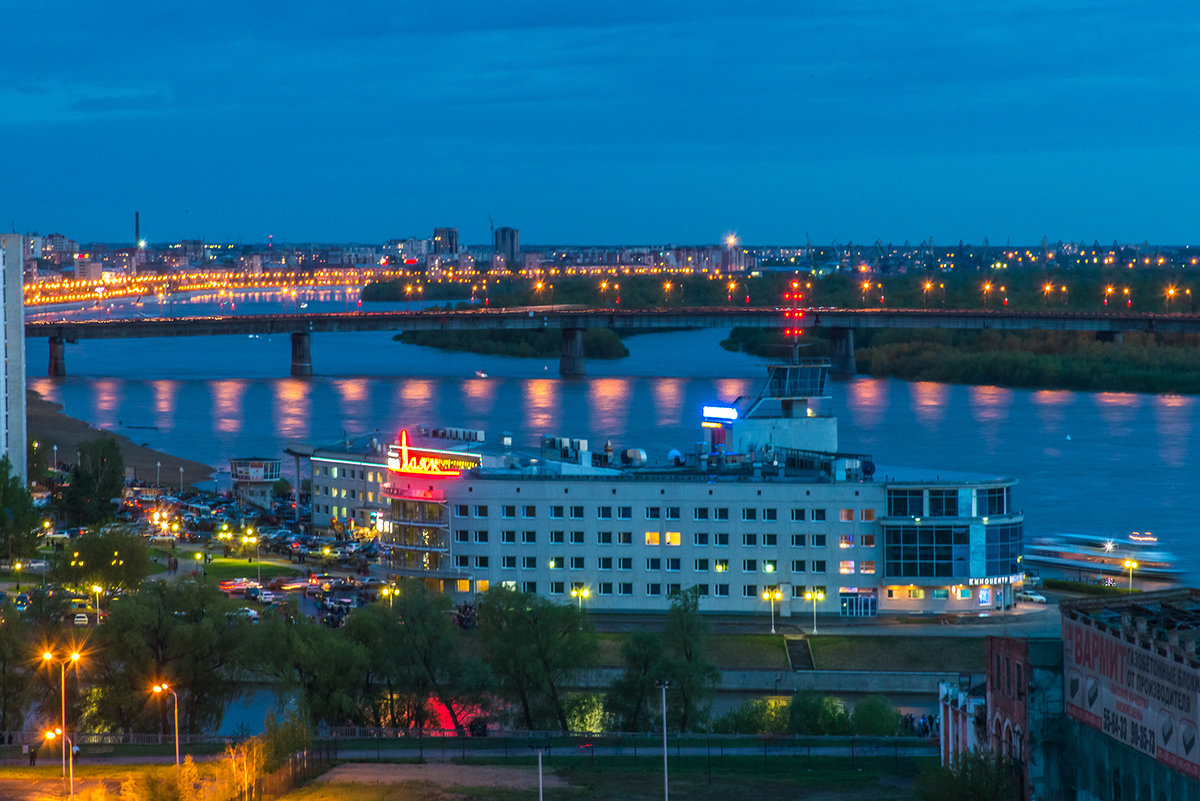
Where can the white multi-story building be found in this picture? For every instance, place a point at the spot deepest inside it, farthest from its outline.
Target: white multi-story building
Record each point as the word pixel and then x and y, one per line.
pixel 12 288
pixel 767 512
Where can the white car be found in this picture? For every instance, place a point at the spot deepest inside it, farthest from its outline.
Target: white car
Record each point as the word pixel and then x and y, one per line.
pixel 1031 597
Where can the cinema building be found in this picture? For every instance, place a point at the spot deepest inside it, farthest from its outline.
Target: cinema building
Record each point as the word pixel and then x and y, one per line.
pixel 765 511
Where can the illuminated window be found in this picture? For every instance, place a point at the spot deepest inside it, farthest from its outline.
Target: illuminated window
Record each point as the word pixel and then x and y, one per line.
pixel 964 593
pixel 916 595
pixel 846 541
pixel 866 515
pixel 770 565
pixel 846 515
pixel 674 538
pixel 867 566
pixel 941 595
pixel 481 585
pixel 463 585
pixel 333 474
pixel 652 538
pixel 557 562
pixel 846 566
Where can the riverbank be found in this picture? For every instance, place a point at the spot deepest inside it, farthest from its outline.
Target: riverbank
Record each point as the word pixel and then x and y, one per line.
pixel 48 426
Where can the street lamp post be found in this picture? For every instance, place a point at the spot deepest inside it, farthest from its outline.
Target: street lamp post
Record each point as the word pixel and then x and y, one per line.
pixel 180 480
pixel 69 659
pixel 1130 565
pixel 250 539
pixel 814 597
pixel 158 474
pixel 771 595
pixel 580 593
pixel 96 588
pixel 663 684
pixel 67 743
pixel 159 688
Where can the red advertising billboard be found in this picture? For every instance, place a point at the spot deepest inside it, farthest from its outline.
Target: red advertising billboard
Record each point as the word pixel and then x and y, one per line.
pixel 1145 700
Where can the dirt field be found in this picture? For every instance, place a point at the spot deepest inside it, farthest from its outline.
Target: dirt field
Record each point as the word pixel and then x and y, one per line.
pixel 443 775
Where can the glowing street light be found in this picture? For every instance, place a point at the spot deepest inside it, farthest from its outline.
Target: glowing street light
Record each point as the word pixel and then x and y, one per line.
pixel 814 597
pixel 66 742
pixel 249 539
pixel 390 593
pixel 96 588
pixel 772 595
pixel 1130 565
pixel 581 594
pixel 161 688
pixel 72 658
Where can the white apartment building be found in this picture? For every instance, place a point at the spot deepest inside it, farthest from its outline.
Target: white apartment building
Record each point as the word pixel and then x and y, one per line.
pixel 767 513
pixel 13 435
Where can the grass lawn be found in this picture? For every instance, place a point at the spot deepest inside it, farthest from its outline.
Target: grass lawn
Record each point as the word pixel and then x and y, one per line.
pixel 898 653
pixel 223 569
pixel 727 651
pixel 694 778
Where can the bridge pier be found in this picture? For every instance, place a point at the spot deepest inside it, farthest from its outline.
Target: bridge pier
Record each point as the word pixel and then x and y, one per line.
pixel 841 353
pixel 58 357
pixel 570 363
pixel 1115 337
pixel 301 354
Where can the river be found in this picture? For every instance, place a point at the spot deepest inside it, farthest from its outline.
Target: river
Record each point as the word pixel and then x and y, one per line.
pixel 1107 463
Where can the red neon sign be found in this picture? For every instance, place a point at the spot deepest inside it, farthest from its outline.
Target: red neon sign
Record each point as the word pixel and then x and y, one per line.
pixel 428 462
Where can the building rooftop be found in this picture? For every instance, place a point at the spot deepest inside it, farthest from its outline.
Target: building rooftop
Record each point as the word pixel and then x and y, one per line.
pixel 1167 622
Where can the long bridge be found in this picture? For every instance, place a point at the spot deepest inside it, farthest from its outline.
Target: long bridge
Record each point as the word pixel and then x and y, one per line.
pixel 572 321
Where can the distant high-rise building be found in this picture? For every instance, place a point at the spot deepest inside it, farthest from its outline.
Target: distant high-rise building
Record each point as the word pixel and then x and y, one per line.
pixel 445 240
pixel 12 340
pixel 507 244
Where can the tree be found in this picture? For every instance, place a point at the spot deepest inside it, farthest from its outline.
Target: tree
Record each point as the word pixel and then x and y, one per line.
pixel 175 632
pixel 117 559
pixel 17 663
pixel 325 668
pixel 535 647
pixel 96 479
pixel 974 776
pixel 18 533
pixel 875 715
pixel 809 713
pixel 694 677
pixel 631 697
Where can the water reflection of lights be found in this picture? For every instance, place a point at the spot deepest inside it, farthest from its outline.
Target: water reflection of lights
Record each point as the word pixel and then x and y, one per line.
pixel 867 399
pixel 353 392
pixel 479 394
pixel 227 404
pixel 990 404
pixel 541 403
pixel 730 389
pixel 292 407
pixel 1051 405
pixel 1118 409
pixel 608 401
pixel 48 388
pixel 164 403
pixel 668 400
pixel 929 402
pixel 1173 415
pixel 107 394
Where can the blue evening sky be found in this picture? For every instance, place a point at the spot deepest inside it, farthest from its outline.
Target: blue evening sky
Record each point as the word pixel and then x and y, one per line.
pixel 602 122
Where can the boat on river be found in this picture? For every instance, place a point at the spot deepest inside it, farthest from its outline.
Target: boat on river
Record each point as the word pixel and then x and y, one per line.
pixel 1091 556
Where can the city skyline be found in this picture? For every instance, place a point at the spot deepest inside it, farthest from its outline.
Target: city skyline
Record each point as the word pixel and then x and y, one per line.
pixel 671 123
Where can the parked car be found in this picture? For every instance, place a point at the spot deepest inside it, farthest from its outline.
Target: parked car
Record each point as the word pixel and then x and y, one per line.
pixel 81 619
pixel 1031 597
